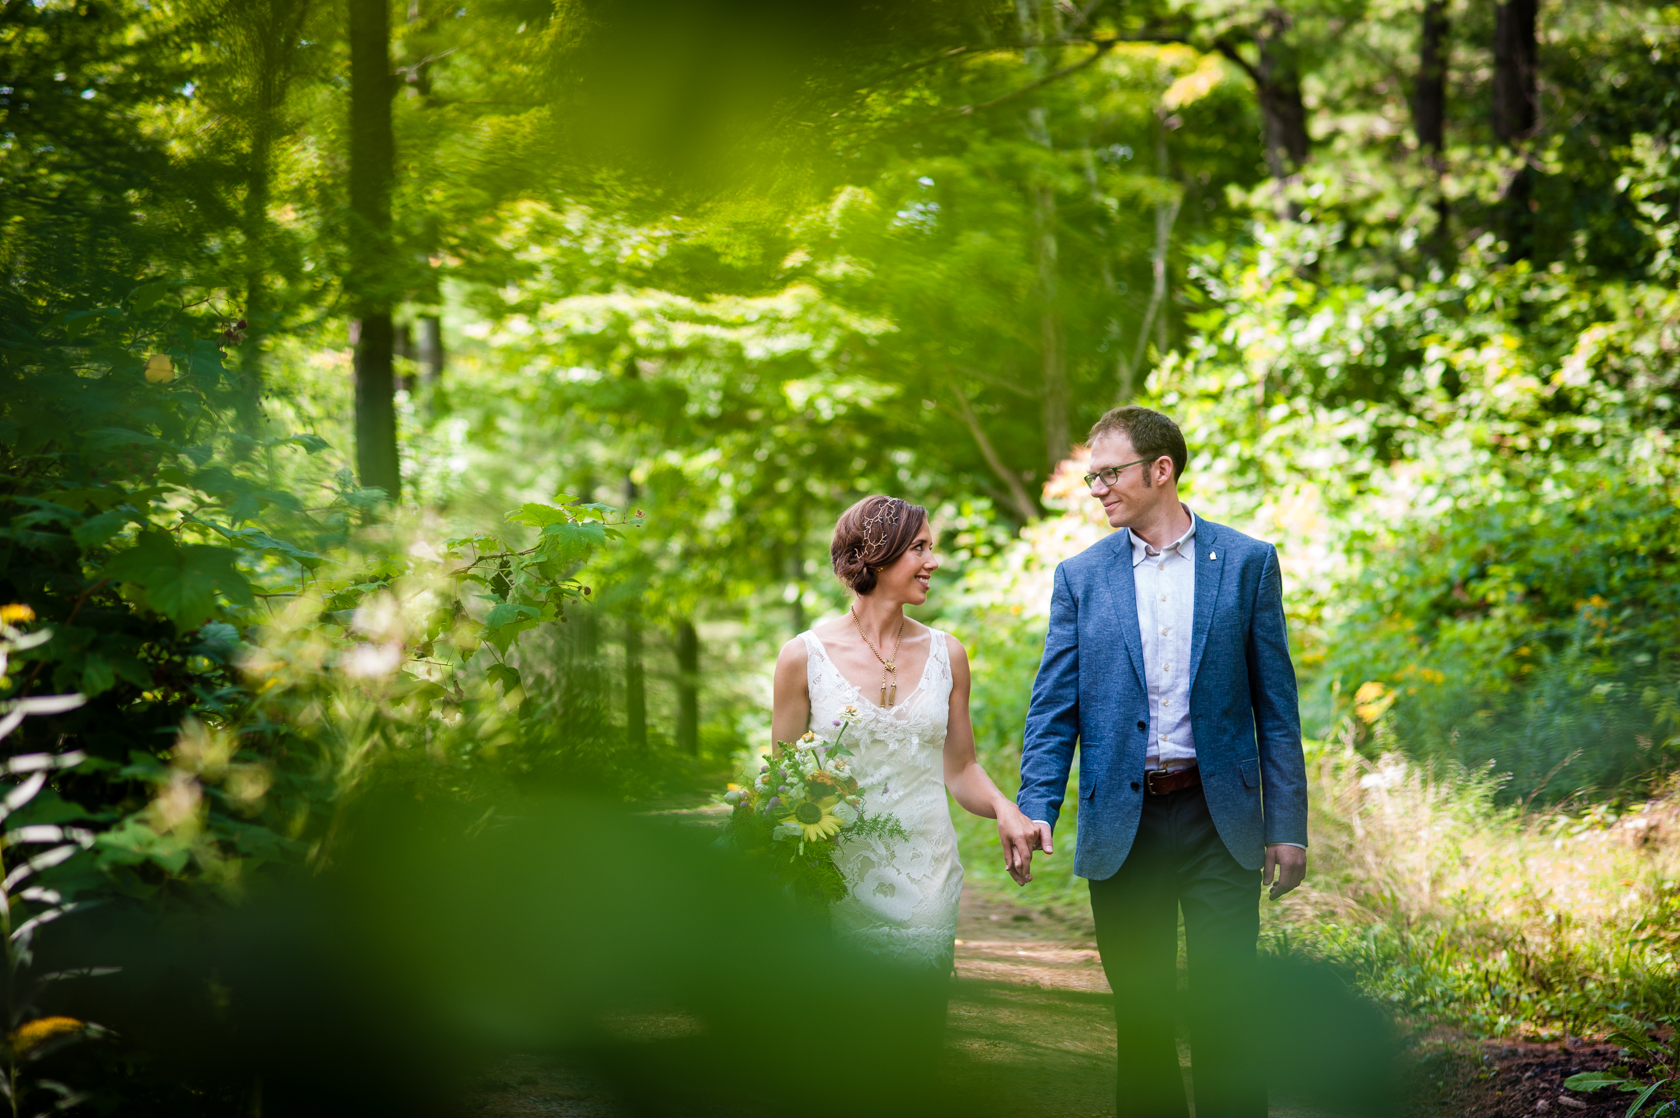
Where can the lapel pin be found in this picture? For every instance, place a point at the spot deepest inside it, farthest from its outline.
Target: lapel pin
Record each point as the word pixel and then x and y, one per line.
pixel 1213 555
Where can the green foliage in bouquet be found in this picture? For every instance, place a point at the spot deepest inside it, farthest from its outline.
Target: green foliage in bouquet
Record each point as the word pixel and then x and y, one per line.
pixel 797 809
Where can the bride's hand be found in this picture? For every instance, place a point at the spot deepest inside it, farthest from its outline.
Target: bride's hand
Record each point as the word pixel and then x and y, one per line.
pixel 1020 837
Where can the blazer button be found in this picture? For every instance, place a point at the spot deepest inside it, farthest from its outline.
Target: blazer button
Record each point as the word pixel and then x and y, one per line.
pixel 1134 786
pixel 1143 725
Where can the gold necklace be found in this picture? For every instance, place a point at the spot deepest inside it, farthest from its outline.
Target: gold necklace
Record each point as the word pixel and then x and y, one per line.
pixel 889 667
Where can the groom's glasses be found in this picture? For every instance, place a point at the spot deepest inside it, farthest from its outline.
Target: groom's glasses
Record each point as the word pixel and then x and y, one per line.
pixel 1110 474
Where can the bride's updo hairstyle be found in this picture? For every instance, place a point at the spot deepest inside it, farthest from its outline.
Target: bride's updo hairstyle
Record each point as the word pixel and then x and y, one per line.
pixel 872 534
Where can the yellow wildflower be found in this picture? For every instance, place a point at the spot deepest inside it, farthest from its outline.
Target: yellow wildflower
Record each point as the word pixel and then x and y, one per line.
pixel 43 1029
pixel 16 614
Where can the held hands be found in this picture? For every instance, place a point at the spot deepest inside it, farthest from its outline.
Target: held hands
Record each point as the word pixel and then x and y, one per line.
pixel 1020 837
pixel 1290 866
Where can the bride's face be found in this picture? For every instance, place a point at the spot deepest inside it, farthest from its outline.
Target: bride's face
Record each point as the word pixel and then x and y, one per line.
pixel 907 578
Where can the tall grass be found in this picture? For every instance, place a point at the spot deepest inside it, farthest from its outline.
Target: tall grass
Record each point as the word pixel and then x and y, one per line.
pixel 1447 905
pixel 1455 909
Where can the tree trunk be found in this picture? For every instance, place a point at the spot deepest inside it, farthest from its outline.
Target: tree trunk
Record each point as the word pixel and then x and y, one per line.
pixel 688 688
pixel 1278 88
pixel 256 259
pixel 635 682
pixel 402 348
pixel 796 574
pixel 1041 22
pixel 635 678
pixel 431 350
pixel 1166 214
pixel 1429 113
pixel 372 170
pixel 1516 111
pixel 1051 333
pixel 263 37
pixel 1429 103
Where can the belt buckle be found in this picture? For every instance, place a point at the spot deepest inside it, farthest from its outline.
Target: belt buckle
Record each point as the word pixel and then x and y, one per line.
pixel 1149 780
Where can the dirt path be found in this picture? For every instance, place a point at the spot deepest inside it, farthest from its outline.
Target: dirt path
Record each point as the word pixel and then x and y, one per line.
pixel 1030 1002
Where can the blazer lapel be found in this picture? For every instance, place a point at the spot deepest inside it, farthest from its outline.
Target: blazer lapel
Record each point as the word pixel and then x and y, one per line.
pixel 1210 565
pixel 1122 600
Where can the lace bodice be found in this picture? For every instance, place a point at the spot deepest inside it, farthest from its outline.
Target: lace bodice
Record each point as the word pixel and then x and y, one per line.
pixel 903 894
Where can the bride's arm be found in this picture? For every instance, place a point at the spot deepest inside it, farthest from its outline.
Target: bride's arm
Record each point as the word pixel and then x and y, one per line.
pixel 790 710
pixel 969 783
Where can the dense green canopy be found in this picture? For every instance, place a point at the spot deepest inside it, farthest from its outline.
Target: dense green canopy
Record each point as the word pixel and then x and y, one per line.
pixel 459 395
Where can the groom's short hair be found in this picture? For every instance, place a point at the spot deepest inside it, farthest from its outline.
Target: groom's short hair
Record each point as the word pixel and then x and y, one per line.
pixel 1151 433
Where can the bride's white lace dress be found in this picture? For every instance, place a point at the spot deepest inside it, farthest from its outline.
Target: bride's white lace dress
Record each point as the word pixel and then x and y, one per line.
pixel 902 895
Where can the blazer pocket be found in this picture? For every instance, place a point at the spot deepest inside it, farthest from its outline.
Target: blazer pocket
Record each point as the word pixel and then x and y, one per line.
pixel 1250 772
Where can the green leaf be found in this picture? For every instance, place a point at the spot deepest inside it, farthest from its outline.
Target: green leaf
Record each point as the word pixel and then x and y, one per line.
pixel 97 530
pixel 507 613
pixel 144 297
pixel 540 516
pixel 131 843
pixel 313 444
pixel 570 543
pixel 98 675
pixel 77 323
pixel 181 582
pixel 1595 1080
pixel 1644 1096
pixel 254 540
pixel 48 807
pixel 109 438
pixel 506 675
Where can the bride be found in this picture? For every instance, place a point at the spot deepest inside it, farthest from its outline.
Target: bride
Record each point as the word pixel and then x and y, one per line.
pixel 911 737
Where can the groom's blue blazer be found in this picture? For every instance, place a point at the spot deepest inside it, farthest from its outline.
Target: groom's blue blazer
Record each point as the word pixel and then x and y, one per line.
pixel 1243 714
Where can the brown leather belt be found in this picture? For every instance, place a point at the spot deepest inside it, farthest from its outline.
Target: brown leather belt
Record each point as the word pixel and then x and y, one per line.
pixel 1160 782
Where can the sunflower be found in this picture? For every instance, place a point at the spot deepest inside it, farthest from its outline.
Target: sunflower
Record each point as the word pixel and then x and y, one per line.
pixel 815 821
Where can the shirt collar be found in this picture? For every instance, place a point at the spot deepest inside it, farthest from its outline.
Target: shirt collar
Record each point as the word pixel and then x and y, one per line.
pixel 1141 549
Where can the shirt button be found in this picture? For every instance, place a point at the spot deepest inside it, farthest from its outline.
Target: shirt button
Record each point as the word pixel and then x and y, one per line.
pixel 1163 597
pixel 1163 632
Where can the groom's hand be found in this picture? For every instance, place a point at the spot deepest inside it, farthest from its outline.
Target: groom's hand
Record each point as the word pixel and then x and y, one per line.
pixel 1020 837
pixel 1287 864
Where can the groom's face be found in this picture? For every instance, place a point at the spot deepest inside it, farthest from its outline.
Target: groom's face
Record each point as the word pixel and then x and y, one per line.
pixel 1141 488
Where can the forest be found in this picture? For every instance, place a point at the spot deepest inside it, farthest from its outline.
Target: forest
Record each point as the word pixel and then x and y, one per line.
pixel 421 424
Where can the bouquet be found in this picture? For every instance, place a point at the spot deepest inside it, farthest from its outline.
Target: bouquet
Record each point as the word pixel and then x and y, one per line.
pixel 795 810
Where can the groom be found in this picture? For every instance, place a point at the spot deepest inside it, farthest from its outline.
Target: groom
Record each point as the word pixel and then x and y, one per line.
pixel 1167 662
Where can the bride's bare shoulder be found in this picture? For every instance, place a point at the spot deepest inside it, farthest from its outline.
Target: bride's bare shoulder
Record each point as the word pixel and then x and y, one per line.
pixel 793 653
pixel 955 651
pixel 834 629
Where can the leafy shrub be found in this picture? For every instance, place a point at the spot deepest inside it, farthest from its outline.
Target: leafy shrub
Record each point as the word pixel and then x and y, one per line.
pixel 1531 629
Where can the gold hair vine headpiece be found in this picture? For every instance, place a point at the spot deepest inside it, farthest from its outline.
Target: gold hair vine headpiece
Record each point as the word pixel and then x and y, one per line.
pixel 887 513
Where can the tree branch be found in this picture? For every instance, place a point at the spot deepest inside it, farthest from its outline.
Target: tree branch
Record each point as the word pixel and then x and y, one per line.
pixel 1018 497
pixel 1229 49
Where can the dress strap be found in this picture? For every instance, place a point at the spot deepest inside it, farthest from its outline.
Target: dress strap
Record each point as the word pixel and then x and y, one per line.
pixel 815 655
pixel 939 650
